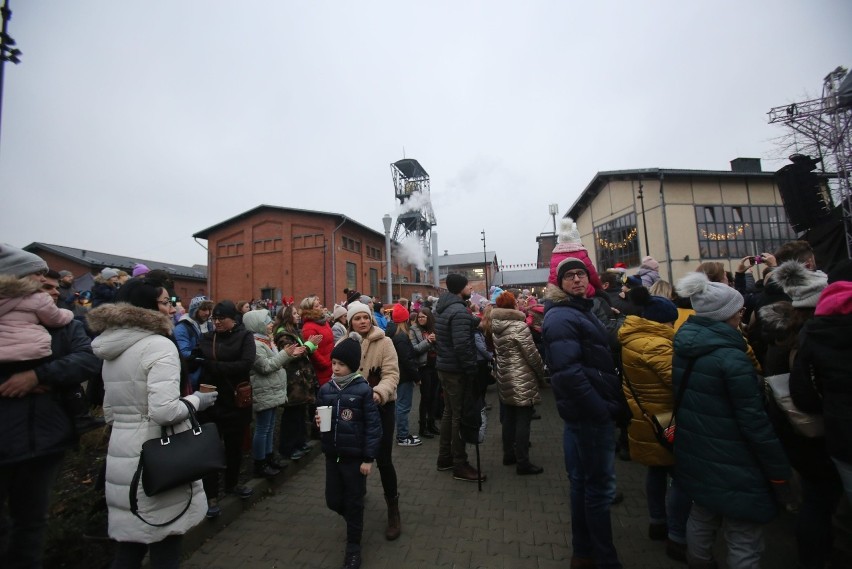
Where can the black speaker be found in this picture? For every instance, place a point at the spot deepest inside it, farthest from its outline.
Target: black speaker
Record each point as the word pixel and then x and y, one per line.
pixel 804 201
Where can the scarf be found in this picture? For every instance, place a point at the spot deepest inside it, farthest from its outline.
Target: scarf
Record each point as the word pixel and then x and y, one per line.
pixel 344 381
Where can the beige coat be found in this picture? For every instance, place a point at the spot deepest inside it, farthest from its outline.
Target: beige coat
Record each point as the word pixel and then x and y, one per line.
pixel 378 353
pixel 519 365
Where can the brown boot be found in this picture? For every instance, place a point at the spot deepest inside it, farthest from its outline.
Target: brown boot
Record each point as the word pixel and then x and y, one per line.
pixel 394 523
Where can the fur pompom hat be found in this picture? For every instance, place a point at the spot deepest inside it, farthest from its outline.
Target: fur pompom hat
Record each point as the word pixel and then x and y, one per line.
pixel 801 285
pixel 570 245
pixel 716 301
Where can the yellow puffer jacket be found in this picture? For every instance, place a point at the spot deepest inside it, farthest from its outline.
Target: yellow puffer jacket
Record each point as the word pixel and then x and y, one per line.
pixel 519 365
pixel 646 354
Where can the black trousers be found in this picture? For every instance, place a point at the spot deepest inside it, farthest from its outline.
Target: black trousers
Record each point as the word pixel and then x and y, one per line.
pixel 429 386
pixel 293 433
pixel 165 554
pixel 345 488
pixel 384 461
pixel 232 436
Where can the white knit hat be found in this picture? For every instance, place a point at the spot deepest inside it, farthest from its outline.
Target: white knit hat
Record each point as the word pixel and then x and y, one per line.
pixel 716 301
pixel 356 307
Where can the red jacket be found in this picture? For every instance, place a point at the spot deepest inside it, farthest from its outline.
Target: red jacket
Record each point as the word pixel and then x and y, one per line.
pixel 321 357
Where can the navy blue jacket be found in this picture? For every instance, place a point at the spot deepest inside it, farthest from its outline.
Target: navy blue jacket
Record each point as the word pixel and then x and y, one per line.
pixel 577 349
pixel 454 328
pixel 356 428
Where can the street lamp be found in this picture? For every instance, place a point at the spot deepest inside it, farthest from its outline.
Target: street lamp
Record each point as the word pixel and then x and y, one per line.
pixel 387 220
pixel 485 258
pixel 7 51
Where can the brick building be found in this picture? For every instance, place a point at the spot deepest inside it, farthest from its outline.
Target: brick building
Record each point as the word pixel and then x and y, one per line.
pixel 86 264
pixel 272 252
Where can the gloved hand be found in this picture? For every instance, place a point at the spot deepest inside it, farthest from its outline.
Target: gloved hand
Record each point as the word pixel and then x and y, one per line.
pixel 206 400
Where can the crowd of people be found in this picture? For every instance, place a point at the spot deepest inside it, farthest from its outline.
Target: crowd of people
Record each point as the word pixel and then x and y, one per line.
pixel 666 375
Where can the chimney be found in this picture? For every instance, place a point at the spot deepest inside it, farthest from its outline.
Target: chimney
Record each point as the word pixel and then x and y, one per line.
pixel 746 165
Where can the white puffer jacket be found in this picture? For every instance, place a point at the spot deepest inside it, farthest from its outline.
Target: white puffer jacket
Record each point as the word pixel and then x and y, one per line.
pixel 141 374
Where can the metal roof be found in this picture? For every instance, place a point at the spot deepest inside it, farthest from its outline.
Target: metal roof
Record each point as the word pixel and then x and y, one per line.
pixel 522 277
pixel 410 168
pixel 601 178
pixel 204 233
pixel 466 259
pixel 99 260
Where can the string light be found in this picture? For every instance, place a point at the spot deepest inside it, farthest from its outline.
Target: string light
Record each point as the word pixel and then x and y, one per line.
pixel 737 231
pixel 624 243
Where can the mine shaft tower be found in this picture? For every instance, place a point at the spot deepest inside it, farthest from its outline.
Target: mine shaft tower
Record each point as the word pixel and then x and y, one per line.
pixel 411 188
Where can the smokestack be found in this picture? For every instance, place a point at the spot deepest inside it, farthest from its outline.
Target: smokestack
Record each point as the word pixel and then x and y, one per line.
pixel 435 269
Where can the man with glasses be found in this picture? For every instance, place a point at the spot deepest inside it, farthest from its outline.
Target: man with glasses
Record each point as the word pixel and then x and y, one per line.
pixel 36 428
pixel 589 400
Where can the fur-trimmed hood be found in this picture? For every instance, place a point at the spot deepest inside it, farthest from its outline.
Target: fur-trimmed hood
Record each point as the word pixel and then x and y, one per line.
pixel 554 294
pixel 776 320
pixel 122 326
pixel 13 287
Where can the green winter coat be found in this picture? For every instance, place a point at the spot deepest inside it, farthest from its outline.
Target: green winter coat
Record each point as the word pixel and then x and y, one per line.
pixel 726 450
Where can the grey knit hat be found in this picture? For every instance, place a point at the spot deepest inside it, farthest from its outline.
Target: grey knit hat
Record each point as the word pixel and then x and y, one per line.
pixel 716 301
pixel 20 263
pixel 800 284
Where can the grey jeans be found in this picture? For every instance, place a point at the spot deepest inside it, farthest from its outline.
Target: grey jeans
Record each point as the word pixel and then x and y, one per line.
pixel 744 539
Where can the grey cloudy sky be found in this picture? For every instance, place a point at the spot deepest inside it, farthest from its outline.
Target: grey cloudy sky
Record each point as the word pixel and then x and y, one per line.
pixel 131 125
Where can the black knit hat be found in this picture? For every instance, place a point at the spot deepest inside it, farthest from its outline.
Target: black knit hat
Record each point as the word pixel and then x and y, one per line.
pixel 349 352
pixel 456 283
pixel 225 309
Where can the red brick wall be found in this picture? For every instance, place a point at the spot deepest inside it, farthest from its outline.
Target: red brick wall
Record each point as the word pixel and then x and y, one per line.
pixel 292 252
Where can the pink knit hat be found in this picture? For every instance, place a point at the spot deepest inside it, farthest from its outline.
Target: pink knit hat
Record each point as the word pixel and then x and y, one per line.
pixel 570 245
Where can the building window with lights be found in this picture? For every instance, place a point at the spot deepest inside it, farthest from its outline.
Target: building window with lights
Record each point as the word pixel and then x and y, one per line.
pixel 726 231
pixel 616 242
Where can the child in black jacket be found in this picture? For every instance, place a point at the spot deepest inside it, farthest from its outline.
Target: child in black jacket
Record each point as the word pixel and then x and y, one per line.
pixel 351 445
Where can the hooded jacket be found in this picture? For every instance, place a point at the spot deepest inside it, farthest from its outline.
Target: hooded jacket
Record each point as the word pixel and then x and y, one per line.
pixel 314 322
pixel 725 448
pixel 820 381
pixel 519 365
pixel 378 356
pixel 582 370
pixel 454 327
pixel 268 375
pixel 646 358
pixel 356 428
pixel 141 372
pixel 25 310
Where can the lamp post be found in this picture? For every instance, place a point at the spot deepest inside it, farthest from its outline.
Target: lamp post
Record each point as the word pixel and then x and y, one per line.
pixel 644 223
pixel 7 51
pixel 387 220
pixel 485 258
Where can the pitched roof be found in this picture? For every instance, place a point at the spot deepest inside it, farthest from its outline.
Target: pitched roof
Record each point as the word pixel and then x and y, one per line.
pixel 466 259
pixel 602 178
pixel 99 260
pixel 205 233
pixel 522 277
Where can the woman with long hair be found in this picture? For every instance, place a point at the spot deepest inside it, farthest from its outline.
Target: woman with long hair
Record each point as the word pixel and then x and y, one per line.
pixel 302 386
pixel 398 332
pixel 422 336
pixel 315 324
pixel 380 366
pixel 141 373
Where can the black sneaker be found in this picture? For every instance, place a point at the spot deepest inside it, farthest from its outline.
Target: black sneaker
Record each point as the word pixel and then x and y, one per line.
pixel 241 492
pixel 445 464
pixel 352 560
pixel 409 441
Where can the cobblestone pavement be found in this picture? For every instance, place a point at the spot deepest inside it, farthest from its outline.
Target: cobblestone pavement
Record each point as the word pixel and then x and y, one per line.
pixel 515 522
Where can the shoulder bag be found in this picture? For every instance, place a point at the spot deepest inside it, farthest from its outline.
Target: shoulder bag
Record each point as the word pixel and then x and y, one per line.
pixel 804 423
pixel 173 460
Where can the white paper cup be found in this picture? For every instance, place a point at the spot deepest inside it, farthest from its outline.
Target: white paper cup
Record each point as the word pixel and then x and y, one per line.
pixel 325 418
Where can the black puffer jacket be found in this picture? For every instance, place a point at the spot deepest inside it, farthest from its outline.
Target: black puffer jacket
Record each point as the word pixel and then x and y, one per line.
pixel 404 353
pixel 456 347
pixel 226 361
pixel 356 428
pixel 826 349
pixel 37 425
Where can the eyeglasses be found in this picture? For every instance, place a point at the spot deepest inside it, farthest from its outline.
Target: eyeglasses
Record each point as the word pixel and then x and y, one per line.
pixel 164 302
pixel 218 318
pixel 571 275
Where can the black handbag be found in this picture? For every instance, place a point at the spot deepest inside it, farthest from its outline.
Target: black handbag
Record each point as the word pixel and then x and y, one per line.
pixel 173 460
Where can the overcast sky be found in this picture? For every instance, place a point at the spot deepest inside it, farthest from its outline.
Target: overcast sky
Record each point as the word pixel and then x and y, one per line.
pixel 130 125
